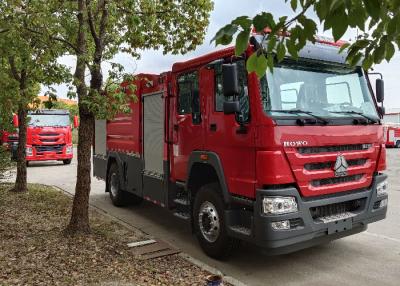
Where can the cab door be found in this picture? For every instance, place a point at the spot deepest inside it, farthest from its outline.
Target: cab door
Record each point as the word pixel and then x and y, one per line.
pixel 231 136
pixel 188 125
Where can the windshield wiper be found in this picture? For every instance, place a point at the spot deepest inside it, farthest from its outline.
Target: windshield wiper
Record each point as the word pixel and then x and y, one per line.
pixel 357 113
pixel 297 111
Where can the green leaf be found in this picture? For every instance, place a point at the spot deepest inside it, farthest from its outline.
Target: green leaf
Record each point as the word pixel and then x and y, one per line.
pixel 322 8
pixel 340 26
pixel 373 8
pixel 343 47
pixel 224 35
pixel 293 51
pixel 243 21
pixel 362 44
pixel 242 41
pixel 251 64
pixel 261 65
pixel 356 59
pixel 293 4
pixel 390 50
pixel 335 4
pixel 379 53
pixel 271 42
pixel 392 26
pixel 263 20
pixel 270 62
pixel 367 63
pixel 280 52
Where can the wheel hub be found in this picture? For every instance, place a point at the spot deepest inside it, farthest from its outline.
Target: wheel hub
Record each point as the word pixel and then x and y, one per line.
pixel 209 221
pixel 114 185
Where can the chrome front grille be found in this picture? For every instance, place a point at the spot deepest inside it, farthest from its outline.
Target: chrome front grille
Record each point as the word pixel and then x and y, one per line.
pixel 329 165
pixel 314 167
pixel 330 149
pixel 49 148
pixel 336 180
pixel 49 134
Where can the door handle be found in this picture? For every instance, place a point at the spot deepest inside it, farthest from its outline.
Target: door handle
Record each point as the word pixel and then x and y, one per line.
pixel 213 127
pixel 176 127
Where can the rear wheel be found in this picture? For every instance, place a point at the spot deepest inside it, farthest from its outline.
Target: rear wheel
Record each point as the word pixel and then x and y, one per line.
pixel 118 196
pixel 398 144
pixel 209 223
pixel 67 161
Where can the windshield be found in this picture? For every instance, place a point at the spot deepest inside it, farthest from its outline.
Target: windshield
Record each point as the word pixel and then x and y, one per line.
pixel 323 90
pixel 42 120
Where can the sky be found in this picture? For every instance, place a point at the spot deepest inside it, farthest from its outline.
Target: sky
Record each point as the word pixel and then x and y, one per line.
pixel 224 11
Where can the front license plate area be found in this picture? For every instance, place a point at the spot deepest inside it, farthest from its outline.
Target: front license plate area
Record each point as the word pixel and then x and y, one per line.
pixel 340 225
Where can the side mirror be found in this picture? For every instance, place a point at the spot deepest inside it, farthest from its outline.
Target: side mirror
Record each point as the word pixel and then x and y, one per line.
pixel 231 107
pixel 76 122
pixel 380 90
pixel 381 111
pixel 230 80
pixel 15 121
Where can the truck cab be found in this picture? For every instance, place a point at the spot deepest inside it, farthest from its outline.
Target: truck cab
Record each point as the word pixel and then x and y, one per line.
pixel 286 161
pixel 49 136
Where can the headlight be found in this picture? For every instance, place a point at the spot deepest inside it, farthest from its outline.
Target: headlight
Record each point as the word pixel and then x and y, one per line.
pixel 29 151
pixel 381 188
pixel 279 205
pixel 69 150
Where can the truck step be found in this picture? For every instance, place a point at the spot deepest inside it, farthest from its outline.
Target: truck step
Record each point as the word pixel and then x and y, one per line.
pixel 180 185
pixel 184 216
pixel 182 202
pixel 241 229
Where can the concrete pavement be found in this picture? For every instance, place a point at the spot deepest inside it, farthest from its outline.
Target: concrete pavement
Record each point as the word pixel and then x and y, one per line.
pixel 369 258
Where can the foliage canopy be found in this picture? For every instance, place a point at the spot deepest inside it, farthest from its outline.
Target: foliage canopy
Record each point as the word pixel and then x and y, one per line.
pixel 378 22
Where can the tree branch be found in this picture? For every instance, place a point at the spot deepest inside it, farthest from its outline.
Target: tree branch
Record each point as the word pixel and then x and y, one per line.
pixel 91 23
pixel 55 38
pixel 305 9
pixel 13 69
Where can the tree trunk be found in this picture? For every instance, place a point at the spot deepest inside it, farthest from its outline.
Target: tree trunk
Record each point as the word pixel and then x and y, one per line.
pixel 79 222
pixel 21 180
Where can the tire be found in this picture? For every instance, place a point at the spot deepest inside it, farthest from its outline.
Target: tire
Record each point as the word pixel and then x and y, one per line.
pixel 27 164
pixel 118 196
pixel 208 213
pixel 398 144
pixel 67 161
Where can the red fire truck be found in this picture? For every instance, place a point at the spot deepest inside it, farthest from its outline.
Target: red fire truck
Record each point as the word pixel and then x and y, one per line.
pixel 49 136
pixel 392 135
pixel 287 161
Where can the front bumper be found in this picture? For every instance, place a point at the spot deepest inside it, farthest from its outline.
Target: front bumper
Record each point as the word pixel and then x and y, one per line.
pixel 50 155
pixel 308 230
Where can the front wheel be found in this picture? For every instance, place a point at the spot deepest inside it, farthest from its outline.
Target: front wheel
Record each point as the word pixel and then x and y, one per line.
pixel 209 223
pixel 398 144
pixel 67 161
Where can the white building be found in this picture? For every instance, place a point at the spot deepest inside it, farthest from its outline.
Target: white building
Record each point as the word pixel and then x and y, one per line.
pixel 392 116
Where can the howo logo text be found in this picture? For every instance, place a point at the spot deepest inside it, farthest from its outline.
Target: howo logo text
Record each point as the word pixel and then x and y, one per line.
pixel 295 143
pixel 341 166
